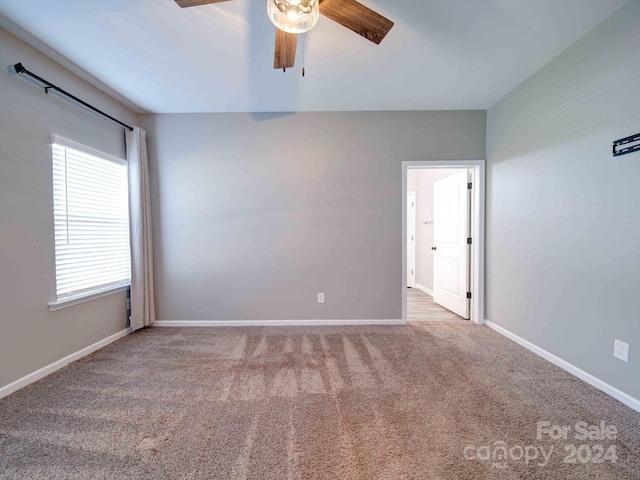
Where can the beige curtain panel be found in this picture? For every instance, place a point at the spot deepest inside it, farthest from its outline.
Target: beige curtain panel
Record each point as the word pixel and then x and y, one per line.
pixel 142 301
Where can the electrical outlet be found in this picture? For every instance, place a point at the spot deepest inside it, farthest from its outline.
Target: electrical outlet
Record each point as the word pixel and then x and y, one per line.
pixel 621 350
pixel 320 297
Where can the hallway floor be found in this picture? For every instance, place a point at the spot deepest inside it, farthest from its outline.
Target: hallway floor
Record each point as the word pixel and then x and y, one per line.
pixel 422 308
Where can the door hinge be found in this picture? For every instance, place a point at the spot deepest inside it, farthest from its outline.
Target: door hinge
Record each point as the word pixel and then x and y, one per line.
pixel 469 185
pixel 469 241
pixel 468 294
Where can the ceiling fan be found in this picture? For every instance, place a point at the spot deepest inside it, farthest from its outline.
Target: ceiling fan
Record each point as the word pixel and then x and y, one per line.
pixel 296 16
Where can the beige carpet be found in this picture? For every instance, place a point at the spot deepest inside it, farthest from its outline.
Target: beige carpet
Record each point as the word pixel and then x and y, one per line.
pixel 426 401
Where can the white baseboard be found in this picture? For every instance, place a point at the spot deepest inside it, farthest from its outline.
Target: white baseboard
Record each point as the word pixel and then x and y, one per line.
pixel 625 398
pixel 272 323
pixel 57 365
pixel 424 289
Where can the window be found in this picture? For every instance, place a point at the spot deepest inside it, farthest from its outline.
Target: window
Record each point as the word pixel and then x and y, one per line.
pixel 91 219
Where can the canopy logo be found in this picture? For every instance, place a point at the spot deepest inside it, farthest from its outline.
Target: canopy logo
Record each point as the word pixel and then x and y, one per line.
pixel 501 455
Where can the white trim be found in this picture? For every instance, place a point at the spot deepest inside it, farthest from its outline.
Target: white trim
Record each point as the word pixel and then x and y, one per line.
pixel 625 398
pixel 57 365
pixel 65 142
pixel 478 213
pixel 424 289
pixel 86 296
pixel 273 323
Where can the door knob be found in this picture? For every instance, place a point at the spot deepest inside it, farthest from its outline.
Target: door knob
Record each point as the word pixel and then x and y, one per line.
pixel 433 248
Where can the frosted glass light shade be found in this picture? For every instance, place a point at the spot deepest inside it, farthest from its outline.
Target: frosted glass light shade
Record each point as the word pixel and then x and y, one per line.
pixel 294 16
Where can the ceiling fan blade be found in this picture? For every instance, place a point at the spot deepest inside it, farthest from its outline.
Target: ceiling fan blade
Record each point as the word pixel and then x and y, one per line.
pixel 195 3
pixel 286 43
pixel 358 18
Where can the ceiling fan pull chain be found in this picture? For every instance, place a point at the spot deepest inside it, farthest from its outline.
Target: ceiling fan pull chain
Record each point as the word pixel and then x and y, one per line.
pixel 304 36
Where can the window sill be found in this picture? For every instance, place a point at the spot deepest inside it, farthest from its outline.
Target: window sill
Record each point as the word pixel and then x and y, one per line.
pixel 85 297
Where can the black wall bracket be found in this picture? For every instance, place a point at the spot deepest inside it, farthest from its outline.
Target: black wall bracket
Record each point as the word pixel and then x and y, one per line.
pixel 635 139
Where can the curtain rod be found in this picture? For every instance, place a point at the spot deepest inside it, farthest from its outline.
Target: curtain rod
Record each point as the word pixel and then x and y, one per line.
pixel 625 141
pixel 18 69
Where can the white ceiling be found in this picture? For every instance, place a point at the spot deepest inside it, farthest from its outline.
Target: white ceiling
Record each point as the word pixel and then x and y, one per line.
pixel 441 54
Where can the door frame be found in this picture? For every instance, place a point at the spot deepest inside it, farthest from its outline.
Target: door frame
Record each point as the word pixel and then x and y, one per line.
pixel 477 230
pixel 415 230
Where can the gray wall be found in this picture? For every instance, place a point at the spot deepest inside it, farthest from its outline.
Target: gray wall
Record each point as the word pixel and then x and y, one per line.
pixel 563 220
pixel 31 336
pixel 255 214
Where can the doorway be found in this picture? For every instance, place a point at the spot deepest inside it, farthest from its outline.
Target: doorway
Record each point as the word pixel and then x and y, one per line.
pixel 443 255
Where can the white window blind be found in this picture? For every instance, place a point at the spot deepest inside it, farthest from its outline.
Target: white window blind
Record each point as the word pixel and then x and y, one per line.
pixel 91 217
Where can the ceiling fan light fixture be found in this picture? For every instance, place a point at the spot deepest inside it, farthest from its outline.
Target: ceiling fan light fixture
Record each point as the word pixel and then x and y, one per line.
pixel 294 16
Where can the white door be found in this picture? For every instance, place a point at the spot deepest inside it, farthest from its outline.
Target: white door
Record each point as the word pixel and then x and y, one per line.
pixel 411 239
pixel 451 250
